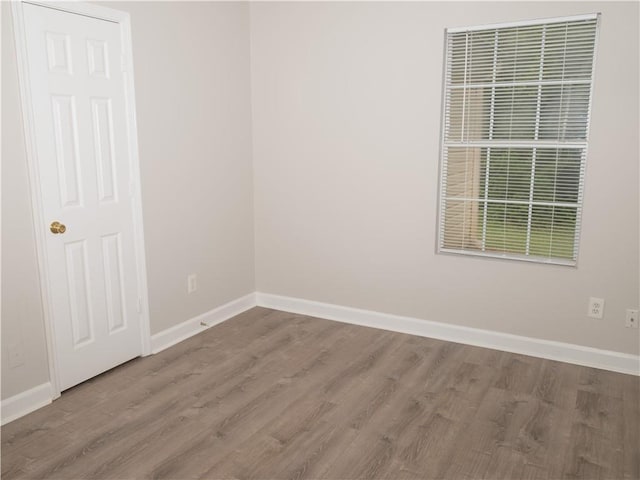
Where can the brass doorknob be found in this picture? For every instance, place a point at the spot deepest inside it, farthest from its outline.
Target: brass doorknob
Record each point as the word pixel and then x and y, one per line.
pixel 57 227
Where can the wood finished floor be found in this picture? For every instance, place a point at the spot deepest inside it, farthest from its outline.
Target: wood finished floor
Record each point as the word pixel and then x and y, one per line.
pixel 273 395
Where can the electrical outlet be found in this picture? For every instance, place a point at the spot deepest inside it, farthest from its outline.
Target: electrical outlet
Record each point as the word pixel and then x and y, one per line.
pixel 632 318
pixel 16 357
pixel 596 307
pixel 192 283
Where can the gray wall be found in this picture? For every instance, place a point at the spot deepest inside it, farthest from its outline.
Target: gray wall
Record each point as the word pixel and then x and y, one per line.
pixel 346 121
pixel 22 326
pixel 191 65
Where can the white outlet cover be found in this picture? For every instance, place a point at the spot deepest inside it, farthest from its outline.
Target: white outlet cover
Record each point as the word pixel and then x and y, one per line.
pixel 596 307
pixel 16 358
pixel 632 318
pixel 192 283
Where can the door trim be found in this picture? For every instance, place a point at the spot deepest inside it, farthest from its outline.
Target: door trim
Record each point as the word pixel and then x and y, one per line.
pixel 40 229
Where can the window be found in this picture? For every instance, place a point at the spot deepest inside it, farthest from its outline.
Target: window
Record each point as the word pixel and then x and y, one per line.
pixel 516 111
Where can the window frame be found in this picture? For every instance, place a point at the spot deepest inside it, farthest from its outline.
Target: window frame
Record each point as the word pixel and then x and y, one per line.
pixel 583 146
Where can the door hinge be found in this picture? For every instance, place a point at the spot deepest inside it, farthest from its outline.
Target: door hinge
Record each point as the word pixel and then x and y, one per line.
pixel 139 305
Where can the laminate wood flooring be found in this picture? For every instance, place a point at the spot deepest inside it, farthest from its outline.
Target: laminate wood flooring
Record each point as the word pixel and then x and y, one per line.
pixel 273 395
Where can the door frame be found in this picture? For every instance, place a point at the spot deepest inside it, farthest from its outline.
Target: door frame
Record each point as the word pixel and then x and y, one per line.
pixel 40 229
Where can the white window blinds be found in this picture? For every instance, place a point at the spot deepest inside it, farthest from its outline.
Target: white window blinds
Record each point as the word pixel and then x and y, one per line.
pixel 515 127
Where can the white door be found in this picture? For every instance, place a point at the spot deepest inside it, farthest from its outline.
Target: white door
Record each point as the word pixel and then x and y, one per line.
pixel 82 152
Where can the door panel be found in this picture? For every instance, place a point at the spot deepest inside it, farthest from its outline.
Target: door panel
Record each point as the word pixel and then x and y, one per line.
pixel 65 127
pixel 82 148
pixel 114 283
pixel 58 52
pixel 79 292
pixel 104 147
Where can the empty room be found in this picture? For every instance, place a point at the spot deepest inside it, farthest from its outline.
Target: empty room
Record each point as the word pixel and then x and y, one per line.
pixel 320 240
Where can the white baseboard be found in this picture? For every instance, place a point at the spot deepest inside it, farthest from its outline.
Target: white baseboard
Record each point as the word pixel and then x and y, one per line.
pixel 184 330
pixel 563 352
pixel 41 395
pixel 26 402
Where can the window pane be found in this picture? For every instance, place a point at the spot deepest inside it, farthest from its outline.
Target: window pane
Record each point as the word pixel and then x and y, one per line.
pixel 481 52
pixel 457 50
pixel 553 231
pixel 515 113
pixel 569 48
pixel 506 228
pixel 509 173
pixel 557 177
pixel 564 112
pixel 468 111
pixel 462 225
pixel 463 172
pixel 519 51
